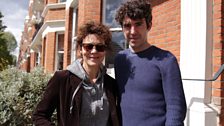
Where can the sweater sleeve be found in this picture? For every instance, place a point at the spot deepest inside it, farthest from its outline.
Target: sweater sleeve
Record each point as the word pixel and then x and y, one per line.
pixel 45 108
pixel 173 92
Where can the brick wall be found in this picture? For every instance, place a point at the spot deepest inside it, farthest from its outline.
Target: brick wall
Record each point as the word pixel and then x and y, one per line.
pixel 89 10
pixel 55 14
pixel 51 1
pixel 30 34
pixel 165 31
pixel 24 66
pixel 45 2
pixel 26 40
pixel 32 60
pixel 218 56
pixel 50 52
pixel 23 49
pixel 43 52
pixel 68 37
pixel 28 64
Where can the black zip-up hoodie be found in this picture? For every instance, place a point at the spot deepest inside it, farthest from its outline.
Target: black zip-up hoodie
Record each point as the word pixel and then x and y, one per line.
pixel 64 93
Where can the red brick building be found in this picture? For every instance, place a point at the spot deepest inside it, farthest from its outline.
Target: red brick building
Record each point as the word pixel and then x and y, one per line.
pixel 192 30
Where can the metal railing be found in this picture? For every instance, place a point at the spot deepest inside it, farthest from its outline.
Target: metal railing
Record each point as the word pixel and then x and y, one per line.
pixel 217 74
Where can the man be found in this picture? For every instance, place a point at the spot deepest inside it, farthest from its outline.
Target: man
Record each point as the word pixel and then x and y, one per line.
pixel 149 80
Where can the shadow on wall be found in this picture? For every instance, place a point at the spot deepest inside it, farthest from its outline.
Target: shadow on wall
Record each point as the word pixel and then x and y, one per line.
pixel 197 105
pixel 157 2
pixel 221 118
pixel 208 111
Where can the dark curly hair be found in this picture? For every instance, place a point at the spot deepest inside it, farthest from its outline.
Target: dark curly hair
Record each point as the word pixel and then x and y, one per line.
pixel 95 28
pixel 134 9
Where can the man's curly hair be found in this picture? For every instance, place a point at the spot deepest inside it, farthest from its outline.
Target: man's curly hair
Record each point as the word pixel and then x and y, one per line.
pixel 95 28
pixel 134 9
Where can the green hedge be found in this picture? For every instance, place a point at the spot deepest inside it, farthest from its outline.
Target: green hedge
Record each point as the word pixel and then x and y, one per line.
pixel 19 93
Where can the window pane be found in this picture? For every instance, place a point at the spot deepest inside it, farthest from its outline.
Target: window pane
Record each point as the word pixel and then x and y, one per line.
pixel 117 44
pixel 110 10
pixel 74 32
pixel 118 41
pixel 60 60
pixel 60 52
pixel 62 0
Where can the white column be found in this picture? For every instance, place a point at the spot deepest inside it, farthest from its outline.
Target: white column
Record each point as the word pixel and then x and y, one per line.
pixel 196 60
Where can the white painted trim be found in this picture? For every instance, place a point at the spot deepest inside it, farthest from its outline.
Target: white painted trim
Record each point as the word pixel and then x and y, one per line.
pixel 56 50
pixel 49 26
pixel 45 53
pixel 31 2
pixel 73 45
pixel 59 1
pixel 55 53
pixel 196 60
pixel 71 3
pixel 116 29
pixel 104 11
pixel 39 58
pixel 53 6
pixel 32 51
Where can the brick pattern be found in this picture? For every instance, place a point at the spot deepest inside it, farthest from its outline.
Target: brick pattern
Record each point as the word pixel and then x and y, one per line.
pixel 43 52
pixel 218 60
pixel 24 45
pixel 165 31
pixel 45 2
pixel 49 44
pixel 50 52
pixel 52 1
pixel 68 37
pixel 89 10
pixel 55 14
pixel 32 60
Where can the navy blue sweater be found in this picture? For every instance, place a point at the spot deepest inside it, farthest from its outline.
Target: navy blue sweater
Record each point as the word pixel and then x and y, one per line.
pixel 150 88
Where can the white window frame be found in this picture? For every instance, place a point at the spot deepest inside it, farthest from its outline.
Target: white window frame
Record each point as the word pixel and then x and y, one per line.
pixel 73 48
pixel 118 29
pixel 61 1
pixel 57 51
pixel 38 56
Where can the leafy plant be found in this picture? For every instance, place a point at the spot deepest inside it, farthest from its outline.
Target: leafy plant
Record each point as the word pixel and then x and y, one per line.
pixel 19 93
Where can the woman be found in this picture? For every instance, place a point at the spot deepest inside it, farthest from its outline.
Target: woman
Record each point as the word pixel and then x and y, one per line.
pixel 83 95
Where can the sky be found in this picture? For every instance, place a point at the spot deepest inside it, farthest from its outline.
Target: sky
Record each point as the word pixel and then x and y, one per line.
pixel 14 12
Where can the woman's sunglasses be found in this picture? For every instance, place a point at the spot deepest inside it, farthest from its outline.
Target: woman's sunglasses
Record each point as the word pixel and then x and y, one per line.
pixel 99 48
